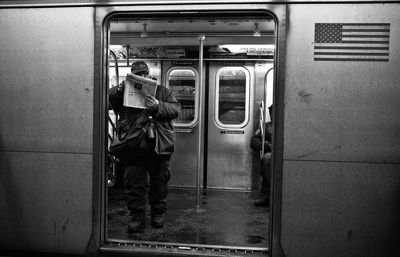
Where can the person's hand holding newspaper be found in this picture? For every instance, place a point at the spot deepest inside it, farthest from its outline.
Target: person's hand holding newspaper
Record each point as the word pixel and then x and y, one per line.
pixel 151 102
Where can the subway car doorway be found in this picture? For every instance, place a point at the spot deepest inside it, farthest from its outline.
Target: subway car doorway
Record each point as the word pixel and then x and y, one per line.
pixel 218 67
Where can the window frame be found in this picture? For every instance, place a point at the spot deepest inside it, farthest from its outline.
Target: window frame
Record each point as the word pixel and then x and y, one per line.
pixel 196 96
pixel 217 98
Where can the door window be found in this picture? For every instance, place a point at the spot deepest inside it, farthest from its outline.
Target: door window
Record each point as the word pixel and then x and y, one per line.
pixel 183 84
pixel 232 97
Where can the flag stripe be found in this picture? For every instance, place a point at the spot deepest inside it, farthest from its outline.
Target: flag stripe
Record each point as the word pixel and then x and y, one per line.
pixel 366 27
pixel 368 44
pixel 372 41
pixel 365 36
pixel 352 47
pixel 346 33
pixel 365 30
pixel 364 24
pixel 352 53
pixel 350 56
pixel 355 51
pixel 351 59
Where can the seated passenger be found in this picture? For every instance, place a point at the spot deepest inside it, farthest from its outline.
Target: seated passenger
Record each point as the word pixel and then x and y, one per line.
pixel 256 145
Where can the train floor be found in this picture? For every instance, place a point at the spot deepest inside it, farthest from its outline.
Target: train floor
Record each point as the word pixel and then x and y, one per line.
pixel 225 218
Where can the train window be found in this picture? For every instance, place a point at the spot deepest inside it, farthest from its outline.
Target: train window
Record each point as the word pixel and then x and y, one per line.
pixel 183 83
pixel 232 97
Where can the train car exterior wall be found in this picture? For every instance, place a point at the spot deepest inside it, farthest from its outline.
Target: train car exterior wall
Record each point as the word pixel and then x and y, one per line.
pixel 341 148
pixel 46 129
pixel 341 162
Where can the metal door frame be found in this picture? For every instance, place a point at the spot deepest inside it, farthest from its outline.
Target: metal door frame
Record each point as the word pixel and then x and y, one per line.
pixel 102 14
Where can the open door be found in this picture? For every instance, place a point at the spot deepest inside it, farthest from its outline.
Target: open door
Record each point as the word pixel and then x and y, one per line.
pixel 215 65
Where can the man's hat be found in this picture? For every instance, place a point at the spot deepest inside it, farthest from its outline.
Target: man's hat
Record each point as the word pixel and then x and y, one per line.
pixel 139 66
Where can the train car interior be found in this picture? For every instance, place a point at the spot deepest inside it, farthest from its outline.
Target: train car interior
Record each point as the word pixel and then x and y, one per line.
pixel 220 69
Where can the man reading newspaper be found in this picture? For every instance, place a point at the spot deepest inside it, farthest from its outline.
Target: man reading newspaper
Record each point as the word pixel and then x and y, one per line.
pixel 135 96
pixel 137 89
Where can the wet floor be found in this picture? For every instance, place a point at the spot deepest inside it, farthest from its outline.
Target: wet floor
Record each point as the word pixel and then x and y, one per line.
pixel 227 218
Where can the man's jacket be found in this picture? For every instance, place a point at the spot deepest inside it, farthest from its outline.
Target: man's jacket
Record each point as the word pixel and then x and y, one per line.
pixel 168 109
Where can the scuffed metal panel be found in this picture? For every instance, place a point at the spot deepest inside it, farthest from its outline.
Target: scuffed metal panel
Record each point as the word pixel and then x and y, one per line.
pixel 46 70
pixel 341 111
pixel 45 201
pixel 339 209
pixel 46 129
pixel 341 140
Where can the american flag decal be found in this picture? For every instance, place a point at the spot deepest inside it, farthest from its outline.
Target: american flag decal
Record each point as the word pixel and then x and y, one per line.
pixel 352 42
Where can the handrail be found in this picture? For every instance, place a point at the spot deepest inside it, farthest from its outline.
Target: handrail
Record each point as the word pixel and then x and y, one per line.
pixel 116 65
pixel 111 121
pixel 262 111
pixel 111 169
pixel 265 82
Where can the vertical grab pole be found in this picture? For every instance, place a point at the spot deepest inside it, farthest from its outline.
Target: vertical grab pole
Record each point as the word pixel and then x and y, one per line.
pixel 262 127
pixel 201 38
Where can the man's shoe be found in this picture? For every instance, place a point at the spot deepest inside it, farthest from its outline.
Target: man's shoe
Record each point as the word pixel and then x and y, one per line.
pixel 138 222
pixel 157 221
pixel 262 202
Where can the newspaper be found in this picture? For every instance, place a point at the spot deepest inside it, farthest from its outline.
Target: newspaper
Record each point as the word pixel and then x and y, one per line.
pixel 136 89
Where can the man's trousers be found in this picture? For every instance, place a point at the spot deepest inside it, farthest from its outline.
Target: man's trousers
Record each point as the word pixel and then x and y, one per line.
pixel 147 175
